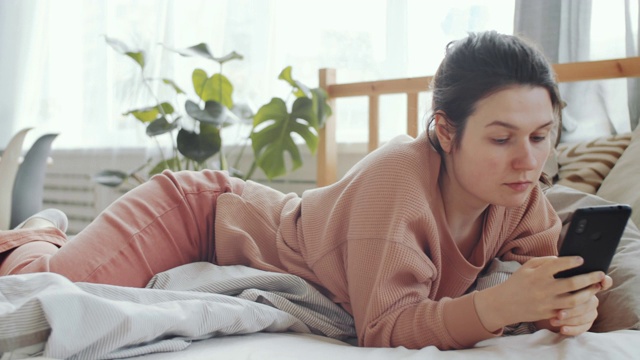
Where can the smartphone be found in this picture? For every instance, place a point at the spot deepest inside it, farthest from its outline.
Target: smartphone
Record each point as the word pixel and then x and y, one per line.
pixel 594 234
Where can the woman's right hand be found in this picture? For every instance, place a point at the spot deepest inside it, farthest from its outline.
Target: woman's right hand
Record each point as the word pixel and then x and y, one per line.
pixel 532 293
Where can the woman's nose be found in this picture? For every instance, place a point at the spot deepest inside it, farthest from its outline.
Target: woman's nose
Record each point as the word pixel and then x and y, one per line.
pixel 525 158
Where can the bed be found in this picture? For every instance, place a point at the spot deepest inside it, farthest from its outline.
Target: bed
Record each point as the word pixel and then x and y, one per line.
pixel 183 313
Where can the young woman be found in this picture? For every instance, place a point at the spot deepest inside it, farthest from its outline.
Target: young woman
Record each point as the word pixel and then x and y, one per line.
pixel 397 242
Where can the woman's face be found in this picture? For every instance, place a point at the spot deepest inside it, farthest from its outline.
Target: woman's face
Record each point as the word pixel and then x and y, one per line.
pixel 503 147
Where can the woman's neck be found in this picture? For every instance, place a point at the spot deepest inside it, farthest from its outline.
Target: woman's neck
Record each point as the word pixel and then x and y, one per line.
pixel 464 218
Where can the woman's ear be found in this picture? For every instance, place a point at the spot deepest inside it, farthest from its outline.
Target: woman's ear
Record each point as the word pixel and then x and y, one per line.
pixel 443 132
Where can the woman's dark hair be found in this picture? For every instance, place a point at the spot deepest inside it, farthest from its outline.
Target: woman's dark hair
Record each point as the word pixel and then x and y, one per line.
pixel 480 65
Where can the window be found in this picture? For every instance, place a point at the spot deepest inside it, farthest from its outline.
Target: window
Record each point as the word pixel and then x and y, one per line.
pixel 73 83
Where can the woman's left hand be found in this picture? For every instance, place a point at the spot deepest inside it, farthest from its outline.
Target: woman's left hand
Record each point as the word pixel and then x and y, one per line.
pixel 579 319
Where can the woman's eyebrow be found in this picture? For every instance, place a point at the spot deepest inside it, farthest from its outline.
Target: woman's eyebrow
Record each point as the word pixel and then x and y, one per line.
pixel 513 127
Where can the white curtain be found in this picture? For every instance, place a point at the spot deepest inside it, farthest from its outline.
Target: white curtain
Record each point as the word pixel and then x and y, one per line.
pixel 582 30
pixel 58 74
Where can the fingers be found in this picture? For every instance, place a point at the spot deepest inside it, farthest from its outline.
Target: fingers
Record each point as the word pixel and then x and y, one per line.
pixel 606 283
pixel 575 330
pixel 553 265
pixel 564 263
pixel 586 311
pixel 579 282
pixel 577 320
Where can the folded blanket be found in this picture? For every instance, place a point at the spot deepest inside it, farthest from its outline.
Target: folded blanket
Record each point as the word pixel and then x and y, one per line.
pixel 191 302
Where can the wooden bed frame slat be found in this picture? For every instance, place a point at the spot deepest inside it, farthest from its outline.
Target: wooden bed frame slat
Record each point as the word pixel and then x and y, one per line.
pixel 327 157
pixel 598 70
pixel 374 122
pixel 327 149
pixel 412 114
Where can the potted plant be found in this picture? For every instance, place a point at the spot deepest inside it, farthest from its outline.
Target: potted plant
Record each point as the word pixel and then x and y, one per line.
pixel 195 125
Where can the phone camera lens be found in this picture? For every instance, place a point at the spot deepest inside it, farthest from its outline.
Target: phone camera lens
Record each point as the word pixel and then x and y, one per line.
pixel 582 225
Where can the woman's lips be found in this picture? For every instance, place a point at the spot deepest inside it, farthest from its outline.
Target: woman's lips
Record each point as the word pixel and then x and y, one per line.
pixel 519 186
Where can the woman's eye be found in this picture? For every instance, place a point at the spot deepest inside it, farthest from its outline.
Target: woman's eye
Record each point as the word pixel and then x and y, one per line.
pixel 501 140
pixel 538 138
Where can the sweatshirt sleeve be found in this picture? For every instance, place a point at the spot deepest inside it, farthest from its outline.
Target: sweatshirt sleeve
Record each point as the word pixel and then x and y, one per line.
pixel 390 285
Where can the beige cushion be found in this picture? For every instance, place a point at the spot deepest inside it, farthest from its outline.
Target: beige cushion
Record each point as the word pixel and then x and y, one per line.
pixel 620 305
pixel 623 182
pixel 584 166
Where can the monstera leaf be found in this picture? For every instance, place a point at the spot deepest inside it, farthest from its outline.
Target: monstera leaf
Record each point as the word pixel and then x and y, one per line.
pixel 272 141
pixel 200 146
pixel 300 88
pixel 320 106
pixel 215 88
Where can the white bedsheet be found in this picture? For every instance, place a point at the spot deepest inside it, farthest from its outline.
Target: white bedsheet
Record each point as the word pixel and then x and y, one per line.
pixel 542 345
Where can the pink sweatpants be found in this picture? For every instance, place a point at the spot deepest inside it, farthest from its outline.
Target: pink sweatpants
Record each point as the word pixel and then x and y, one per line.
pixel 164 223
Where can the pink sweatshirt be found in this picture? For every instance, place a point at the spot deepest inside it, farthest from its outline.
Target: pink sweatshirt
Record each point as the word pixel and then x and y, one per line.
pixel 377 243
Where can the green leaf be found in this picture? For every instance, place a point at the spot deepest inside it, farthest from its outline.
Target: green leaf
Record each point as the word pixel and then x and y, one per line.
pixel 111 178
pixel 173 85
pixel 285 75
pixel 151 113
pixel 213 113
pixel 145 115
pixel 243 112
pixel 272 141
pixel 166 108
pixel 217 87
pixel 230 56
pixel 300 89
pixel 137 56
pixel 199 77
pixel 117 44
pixel 200 147
pixel 302 108
pixel 202 50
pixel 122 48
pixel 172 164
pixel 161 126
pixel 321 106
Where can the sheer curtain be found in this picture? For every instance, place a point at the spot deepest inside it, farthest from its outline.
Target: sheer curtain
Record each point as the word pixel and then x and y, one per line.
pixel 59 75
pixel 582 30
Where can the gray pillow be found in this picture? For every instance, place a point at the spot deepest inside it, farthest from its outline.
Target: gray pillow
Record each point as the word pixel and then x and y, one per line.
pixel 620 305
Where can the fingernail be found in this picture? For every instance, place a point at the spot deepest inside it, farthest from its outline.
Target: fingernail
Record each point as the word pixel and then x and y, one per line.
pixel 562 315
pixel 579 260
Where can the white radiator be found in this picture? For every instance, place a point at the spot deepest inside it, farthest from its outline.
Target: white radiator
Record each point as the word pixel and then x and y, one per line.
pixel 69 185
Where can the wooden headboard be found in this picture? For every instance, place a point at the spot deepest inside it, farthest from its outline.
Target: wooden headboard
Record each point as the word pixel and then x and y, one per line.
pixel 327 157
